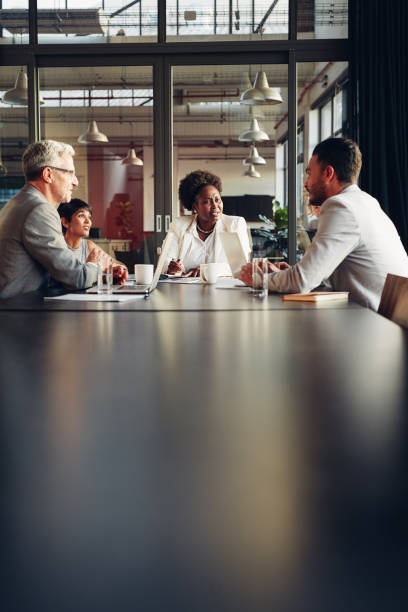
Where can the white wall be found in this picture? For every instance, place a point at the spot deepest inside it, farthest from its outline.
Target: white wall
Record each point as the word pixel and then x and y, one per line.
pixel 230 172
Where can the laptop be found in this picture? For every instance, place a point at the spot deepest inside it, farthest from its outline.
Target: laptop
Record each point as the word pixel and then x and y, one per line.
pixel 234 251
pixel 130 287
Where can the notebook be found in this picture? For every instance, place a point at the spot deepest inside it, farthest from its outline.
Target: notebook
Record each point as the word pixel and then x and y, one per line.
pixel 316 296
pixel 234 251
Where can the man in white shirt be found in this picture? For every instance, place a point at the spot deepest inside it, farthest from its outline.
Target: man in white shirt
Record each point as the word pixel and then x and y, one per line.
pixel 356 244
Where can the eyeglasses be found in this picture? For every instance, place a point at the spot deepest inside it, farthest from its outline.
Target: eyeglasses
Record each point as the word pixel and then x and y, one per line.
pixel 61 169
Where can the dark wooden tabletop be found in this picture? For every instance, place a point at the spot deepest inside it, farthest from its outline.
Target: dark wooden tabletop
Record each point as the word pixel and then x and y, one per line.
pixel 173 296
pixel 203 460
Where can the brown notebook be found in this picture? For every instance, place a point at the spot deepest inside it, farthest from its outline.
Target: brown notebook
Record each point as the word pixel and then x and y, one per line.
pixel 316 296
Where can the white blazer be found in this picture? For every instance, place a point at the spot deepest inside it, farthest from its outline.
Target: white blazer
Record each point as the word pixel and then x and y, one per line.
pixel 181 233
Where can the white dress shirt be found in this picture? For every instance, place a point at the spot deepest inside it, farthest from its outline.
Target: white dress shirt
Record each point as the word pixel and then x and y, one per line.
pixel 187 246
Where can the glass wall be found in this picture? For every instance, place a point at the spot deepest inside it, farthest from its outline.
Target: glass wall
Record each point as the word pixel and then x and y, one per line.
pixel 322 112
pixel 14 22
pixel 208 115
pixel 109 21
pixel 215 131
pixel 13 131
pixel 225 20
pixel 322 19
pixel 106 114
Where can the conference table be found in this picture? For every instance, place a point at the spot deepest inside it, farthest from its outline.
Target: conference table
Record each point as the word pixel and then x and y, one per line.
pixel 202 450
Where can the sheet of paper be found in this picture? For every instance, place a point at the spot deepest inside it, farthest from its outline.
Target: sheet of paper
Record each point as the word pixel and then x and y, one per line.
pixel 95 297
pixel 229 283
pixel 180 280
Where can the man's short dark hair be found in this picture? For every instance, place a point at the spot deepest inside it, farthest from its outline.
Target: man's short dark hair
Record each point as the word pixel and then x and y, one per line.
pixel 67 209
pixel 343 154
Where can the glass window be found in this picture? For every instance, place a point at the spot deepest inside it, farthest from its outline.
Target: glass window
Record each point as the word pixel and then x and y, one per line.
pixel 338 114
pixel 323 19
pixel 321 104
pixel 67 21
pixel 121 194
pixel 13 133
pixel 14 22
pixel 240 20
pixel 214 131
pixel 326 120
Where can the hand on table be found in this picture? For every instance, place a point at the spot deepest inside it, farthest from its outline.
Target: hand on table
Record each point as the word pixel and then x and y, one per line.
pixel 193 273
pixel 175 267
pixel 120 274
pixel 246 271
pixel 279 265
pixel 246 274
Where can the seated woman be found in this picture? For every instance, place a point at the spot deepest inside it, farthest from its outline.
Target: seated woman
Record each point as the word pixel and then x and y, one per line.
pixel 76 221
pixel 196 238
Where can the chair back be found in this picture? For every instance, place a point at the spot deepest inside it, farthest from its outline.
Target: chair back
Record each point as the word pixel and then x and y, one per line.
pixel 394 299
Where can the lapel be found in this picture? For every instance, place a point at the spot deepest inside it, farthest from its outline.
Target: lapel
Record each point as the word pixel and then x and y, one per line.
pixel 188 237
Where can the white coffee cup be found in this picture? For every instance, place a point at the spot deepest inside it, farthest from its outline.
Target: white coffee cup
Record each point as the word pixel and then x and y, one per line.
pixel 209 273
pixel 143 274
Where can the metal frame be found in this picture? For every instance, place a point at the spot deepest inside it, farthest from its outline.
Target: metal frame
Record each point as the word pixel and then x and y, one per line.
pixel 162 56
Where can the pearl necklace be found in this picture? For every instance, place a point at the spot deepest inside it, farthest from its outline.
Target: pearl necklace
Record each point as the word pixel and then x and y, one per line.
pixel 205 231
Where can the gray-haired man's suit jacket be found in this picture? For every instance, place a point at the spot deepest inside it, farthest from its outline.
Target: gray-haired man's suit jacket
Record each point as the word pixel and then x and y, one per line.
pixel 32 247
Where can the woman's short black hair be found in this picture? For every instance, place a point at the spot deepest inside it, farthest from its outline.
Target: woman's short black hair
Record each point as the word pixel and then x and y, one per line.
pixel 192 184
pixel 67 209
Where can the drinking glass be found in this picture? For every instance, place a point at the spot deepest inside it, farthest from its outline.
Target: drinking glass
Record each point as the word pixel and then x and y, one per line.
pixel 260 276
pixel 105 278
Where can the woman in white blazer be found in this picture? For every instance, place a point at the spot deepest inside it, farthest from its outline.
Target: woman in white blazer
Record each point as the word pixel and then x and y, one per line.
pixel 195 238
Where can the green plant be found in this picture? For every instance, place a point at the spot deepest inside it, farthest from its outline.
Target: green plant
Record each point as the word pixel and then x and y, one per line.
pixel 280 215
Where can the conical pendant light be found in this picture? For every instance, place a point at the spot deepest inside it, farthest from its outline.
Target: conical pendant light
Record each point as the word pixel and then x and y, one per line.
pixel 92 134
pixel 254 133
pixel 250 171
pixel 18 95
pixel 254 158
pixel 261 93
pixel 131 159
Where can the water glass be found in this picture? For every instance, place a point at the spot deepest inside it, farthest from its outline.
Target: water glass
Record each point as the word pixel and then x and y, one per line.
pixel 260 276
pixel 105 278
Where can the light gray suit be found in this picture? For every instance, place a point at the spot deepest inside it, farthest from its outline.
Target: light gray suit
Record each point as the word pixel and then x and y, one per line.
pixel 32 247
pixel 355 247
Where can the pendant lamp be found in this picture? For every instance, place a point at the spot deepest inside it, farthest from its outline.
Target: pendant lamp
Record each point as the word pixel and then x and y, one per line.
pixel 131 159
pixel 92 134
pixel 250 171
pixel 254 133
pixel 261 93
pixel 254 158
pixel 18 95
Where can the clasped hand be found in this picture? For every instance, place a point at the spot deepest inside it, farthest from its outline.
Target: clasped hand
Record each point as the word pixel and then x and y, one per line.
pixel 119 271
pixel 246 271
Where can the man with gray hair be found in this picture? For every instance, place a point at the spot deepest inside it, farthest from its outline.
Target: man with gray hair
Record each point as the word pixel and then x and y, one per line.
pixel 32 247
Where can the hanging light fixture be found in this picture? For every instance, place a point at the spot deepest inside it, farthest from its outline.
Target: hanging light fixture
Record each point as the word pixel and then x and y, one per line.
pixel 250 171
pixel 92 134
pixel 18 95
pixel 254 133
pixel 261 93
pixel 254 158
pixel 131 159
